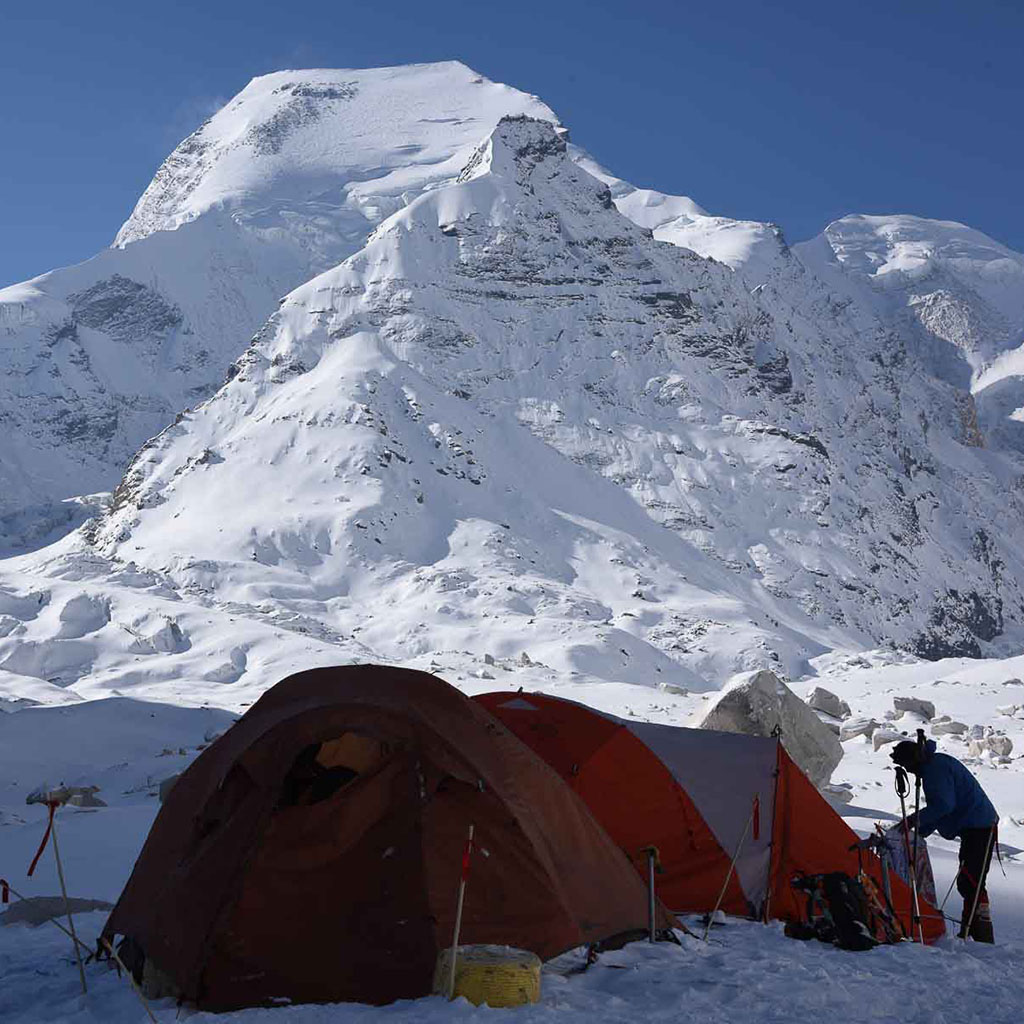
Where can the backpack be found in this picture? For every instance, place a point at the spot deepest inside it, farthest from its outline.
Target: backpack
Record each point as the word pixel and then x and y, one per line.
pixel 839 911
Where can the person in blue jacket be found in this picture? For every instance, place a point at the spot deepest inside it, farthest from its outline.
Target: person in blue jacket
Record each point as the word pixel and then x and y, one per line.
pixel 956 806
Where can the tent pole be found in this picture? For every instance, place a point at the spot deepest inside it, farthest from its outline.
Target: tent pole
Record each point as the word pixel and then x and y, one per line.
pixel 732 866
pixel 774 844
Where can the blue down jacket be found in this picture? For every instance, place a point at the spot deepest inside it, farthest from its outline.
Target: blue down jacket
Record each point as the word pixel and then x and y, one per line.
pixel 955 800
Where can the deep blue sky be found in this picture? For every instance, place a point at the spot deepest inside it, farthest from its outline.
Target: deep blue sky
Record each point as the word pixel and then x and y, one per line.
pixel 796 112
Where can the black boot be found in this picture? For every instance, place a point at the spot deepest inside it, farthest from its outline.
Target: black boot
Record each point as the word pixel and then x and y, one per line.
pixel 981 926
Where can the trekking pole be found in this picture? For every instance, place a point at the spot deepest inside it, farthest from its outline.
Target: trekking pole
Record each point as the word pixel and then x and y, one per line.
pixel 653 864
pixel 458 912
pixel 732 866
pixel 917 827
pixel 903 791
pixel 53 800
pixel 949 891
pixel 965 929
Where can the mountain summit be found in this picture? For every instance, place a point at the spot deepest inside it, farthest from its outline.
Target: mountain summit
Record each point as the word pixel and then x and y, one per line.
pixel 282 183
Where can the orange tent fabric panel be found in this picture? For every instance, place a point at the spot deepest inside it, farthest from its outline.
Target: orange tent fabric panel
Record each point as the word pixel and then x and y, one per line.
pixel 810 838
pixel 630 792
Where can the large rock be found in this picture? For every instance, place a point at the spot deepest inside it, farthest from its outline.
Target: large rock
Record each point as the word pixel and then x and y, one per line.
pixel 858 727
pixel 997 745
pixel 924 708
pixel 883 737
pixel 950 728
pixel 758 703
pixel 824 700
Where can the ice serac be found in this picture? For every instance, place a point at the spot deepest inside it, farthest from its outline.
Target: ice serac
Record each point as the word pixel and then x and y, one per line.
pixel 514 420
pixel 285 181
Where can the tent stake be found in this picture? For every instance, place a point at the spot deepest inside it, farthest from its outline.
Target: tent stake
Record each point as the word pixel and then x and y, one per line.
pixel 732 865
pixel 67 905
pixel 458 913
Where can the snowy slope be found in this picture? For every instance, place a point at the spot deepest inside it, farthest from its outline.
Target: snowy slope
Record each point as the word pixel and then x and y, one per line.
pixel 283 182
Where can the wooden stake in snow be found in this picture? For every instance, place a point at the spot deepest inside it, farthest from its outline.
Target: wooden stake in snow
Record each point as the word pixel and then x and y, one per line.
pixel 53 800
pixel 466 853
pixel 67 906
pixel 752 820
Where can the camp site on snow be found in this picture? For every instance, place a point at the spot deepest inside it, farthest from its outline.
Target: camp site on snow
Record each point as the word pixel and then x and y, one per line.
pixel 372 834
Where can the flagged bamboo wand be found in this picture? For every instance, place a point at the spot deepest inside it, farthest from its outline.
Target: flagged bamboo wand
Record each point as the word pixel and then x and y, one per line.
pixel 458 912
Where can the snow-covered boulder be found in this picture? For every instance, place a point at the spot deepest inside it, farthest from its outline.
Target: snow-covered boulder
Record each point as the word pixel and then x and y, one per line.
pixel 916 706
pixel 758 703
pixel 838 793
pixel 997 745
pixel 949 728
pixel 883 737
pixel 858 727
pixel 824 700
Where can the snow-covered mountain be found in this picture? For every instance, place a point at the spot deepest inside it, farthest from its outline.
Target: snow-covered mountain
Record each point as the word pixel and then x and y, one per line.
pixel 954 295
pixel 520 419
pixel 282 183
pixel 537 410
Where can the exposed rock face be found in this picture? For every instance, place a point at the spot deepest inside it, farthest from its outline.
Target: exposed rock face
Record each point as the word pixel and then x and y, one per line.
pixel 759 703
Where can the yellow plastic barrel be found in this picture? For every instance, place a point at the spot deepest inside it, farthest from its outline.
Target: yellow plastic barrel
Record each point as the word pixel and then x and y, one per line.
pixel 499 976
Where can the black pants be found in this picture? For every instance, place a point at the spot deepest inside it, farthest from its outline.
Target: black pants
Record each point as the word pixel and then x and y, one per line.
pixel 976 847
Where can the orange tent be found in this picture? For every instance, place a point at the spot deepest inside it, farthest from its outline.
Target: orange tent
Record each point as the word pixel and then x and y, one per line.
pixel 698 796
